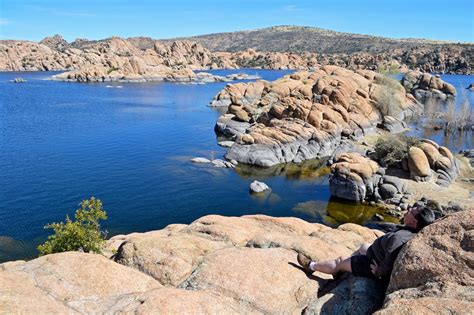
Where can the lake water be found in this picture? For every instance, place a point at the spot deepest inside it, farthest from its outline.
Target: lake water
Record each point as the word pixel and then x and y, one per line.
pixel 61 143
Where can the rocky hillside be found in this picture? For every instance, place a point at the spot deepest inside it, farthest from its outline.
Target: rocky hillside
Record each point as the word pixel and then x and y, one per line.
pixel 236 265
pixel 302 52
pixel 301 39
pixel 348 49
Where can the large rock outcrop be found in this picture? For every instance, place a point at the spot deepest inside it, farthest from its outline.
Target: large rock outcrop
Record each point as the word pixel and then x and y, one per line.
pixel 232 256
pixel 434 272
pixel 246 264
pixel 117 59
pixel 214 265
pixel 70 282
pixel 306 115
pixel 111 59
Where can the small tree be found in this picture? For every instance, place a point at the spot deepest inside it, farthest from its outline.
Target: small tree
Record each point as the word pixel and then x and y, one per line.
pixel 82 234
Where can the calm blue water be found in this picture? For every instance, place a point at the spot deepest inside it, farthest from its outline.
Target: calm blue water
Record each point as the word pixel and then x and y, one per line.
pixel 456 140
pixel 63 142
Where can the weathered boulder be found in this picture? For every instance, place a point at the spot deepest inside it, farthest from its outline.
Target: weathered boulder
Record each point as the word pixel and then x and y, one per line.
pixel 418 164
pixel 352 176
pixel 305 115
pixel 428 157
pixel 434 272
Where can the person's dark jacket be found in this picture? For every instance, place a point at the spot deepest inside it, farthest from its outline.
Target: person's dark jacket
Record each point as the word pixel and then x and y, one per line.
pixel 385 250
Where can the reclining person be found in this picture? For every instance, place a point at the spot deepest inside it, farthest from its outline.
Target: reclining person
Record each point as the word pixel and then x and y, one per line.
pixel 376 260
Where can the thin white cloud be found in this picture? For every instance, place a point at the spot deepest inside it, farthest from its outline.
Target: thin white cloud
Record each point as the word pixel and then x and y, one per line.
pixel 56 12
pixel 71 13
pixel 5 22
pixel 290 8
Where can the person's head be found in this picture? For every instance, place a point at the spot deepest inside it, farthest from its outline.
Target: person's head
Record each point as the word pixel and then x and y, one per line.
pixel 418 217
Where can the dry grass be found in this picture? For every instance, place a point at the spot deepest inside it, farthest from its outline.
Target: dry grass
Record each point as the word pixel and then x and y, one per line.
pixel 462 119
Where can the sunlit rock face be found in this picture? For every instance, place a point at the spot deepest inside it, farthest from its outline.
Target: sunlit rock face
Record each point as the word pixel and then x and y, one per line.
pixel 214 265
pixel 306 115
pixel 244 264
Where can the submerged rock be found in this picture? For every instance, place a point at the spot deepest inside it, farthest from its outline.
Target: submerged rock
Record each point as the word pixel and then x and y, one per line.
pixel 200 160
pixel 258 187
pixel 18 80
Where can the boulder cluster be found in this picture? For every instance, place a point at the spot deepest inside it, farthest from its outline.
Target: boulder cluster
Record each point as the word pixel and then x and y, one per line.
pixel 144 59
pixel 427 159
pixel 358 178
pixel 424 85
pixel 246 264
pixel 305 115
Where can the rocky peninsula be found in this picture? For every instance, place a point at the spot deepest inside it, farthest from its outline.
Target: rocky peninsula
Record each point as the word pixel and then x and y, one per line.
pixel 307 115
pixel 245 264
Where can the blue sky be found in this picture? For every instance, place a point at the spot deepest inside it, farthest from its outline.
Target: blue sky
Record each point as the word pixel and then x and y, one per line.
pixel 34 19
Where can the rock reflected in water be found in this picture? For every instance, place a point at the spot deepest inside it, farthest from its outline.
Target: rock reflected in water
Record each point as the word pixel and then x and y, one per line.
pixel 307 170
pixel 335 212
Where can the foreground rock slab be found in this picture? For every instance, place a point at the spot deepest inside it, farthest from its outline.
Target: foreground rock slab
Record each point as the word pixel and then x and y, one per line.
pixel 235 265
pixel 250 259
pixel 70 282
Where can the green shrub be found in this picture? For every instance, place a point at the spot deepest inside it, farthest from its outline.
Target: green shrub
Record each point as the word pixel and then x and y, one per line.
pixel 112 69
pixel 393 149
pixel 82 234
pixel 389 102
pixel 388 68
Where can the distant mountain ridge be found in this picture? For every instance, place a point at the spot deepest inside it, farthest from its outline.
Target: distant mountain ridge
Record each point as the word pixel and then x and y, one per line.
pixel 303 38
pixel 300 48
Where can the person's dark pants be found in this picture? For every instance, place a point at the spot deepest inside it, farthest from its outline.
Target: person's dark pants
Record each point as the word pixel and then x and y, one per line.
pixel 360 265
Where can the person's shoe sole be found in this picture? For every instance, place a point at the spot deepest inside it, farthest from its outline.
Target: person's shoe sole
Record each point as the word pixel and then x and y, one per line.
pixel 304 262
